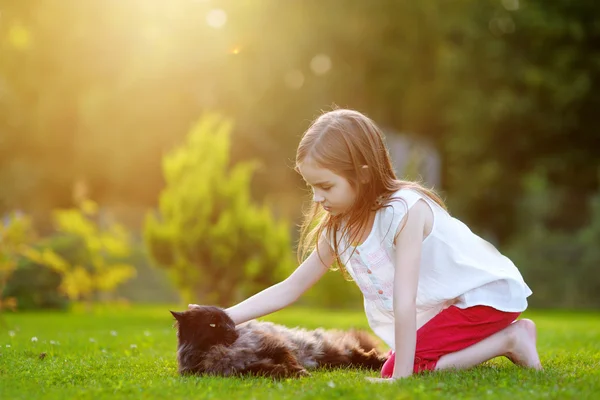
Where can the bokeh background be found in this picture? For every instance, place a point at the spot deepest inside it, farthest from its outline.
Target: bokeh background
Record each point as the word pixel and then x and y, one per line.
pixel 147 146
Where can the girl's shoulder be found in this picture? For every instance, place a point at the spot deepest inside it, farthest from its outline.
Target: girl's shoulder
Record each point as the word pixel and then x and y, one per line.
pixel 404 199
pixel 399 203
pixel 395 207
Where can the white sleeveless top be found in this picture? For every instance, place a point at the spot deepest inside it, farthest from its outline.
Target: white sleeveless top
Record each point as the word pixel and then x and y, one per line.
pixel 457 268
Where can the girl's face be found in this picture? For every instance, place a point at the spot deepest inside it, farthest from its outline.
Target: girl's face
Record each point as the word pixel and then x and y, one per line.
pixel 333 192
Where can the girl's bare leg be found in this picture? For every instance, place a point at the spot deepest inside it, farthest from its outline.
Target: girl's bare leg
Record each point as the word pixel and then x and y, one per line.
pixel 517 342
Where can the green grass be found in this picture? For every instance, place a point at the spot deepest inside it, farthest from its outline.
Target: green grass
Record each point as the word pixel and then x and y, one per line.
pixel 130 353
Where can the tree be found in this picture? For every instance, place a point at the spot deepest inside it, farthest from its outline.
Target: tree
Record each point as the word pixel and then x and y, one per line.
pixel 217 245
pixel 521 84
pixel 500 88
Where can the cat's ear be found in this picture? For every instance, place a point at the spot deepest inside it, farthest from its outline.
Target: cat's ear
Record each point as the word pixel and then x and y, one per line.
pixel 177 314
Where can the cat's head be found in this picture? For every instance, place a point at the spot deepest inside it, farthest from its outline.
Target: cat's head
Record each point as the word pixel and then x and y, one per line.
pixel 204 327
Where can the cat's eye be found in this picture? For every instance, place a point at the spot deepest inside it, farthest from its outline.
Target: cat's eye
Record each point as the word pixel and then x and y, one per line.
pixel 213 325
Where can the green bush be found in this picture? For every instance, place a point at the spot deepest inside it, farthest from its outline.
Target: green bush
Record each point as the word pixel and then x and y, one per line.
pixel 217 244
pixel 35 286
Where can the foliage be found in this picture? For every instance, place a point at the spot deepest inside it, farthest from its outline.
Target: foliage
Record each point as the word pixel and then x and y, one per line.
pixel 37 287
pixel 522 80
pixel 216 243
pixel 100 270
pixel 502 89
pixel 15 235
pixel 561 267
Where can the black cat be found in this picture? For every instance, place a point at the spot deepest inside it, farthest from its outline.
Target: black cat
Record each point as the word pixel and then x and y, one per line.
pixel 210 343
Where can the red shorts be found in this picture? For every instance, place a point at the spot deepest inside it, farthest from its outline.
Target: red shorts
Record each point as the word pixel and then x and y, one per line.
pixel 452 330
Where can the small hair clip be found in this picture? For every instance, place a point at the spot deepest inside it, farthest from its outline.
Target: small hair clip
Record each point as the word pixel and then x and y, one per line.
pixel 212 325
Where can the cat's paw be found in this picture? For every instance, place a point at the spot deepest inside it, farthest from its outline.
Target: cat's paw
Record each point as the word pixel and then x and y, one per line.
pixel 286 372
pixel 279 372
pixel 301 372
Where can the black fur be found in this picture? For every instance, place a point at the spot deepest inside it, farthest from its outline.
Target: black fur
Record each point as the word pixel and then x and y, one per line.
pixel 210 343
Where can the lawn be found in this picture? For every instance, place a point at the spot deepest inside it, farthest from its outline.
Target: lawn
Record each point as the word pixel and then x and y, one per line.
pixel 130 353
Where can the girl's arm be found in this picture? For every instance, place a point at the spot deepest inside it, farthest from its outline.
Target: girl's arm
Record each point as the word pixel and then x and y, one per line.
pixel 406 278
pixel 286 292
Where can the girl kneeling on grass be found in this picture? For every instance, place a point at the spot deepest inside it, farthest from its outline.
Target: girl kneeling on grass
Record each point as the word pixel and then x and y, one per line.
pixel 439 295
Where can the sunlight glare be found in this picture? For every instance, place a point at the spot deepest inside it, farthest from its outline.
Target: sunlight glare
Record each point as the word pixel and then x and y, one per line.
pixel 511 5
pixel 320 64
pixel 216 18
pixel 19 36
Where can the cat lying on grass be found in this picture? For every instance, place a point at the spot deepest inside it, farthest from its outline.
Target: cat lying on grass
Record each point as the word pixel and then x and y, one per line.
pixel 210 343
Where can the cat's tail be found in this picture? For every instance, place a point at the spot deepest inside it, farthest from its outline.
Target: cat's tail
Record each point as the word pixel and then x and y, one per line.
pixel 365 340
pixel 367 355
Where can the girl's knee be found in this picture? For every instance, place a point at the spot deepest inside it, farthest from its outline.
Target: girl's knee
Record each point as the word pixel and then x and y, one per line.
pixel 388 367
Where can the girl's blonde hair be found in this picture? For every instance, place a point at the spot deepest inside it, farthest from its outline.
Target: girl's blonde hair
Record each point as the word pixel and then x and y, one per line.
pixel 350 145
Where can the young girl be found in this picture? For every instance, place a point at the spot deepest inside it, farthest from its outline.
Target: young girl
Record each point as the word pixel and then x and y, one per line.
pixel 437 294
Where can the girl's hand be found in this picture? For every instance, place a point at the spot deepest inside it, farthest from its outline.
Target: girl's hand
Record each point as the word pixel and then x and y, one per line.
pixel 381 380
